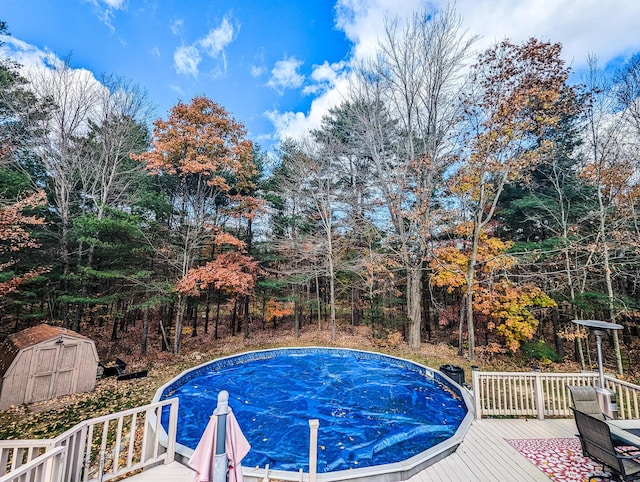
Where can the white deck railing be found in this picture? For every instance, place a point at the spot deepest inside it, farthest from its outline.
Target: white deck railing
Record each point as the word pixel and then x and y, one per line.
pixel 48 467
pixel 99 449
pixel 536 394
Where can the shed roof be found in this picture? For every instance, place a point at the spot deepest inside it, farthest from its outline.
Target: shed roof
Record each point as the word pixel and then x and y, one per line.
pixel 29 337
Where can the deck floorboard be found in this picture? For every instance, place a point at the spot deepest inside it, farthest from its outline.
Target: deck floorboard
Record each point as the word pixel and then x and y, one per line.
pixel 483 456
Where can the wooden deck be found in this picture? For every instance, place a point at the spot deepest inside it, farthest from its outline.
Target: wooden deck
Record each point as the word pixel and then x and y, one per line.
pixel 483 456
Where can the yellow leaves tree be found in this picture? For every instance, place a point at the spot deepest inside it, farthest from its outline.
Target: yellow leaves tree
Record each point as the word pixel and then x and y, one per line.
pixel 503 306
pixel 507 309
pixel 518 94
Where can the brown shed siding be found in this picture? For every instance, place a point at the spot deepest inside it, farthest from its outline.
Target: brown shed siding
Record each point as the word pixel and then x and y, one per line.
pixel 57 362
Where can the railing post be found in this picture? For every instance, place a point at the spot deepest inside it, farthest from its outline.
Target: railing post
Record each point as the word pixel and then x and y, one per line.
pixel 172 430
pixel 475 386
pixel 539 394
pixel 313 449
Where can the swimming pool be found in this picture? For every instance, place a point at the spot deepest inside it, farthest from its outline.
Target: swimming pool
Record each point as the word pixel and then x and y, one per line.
pixel 374 410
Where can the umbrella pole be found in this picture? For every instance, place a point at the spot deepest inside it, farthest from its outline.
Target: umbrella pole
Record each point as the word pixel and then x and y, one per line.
pixel 221 462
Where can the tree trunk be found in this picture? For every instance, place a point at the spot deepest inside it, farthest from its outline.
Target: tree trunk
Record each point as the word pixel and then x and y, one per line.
pixel 194 319
pixel 609 284
pixel 215 329
pixel 414 306
pixel 177 340
pixel 318 303
pixel 246 317
pixel 332 299
pixel 234 314
pixel 470 280
pixel 145 331
pixel 207 312
pixel 463 310
pixel 296 316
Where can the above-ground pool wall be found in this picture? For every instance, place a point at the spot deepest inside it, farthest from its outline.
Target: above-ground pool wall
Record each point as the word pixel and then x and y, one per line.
pixel 382 473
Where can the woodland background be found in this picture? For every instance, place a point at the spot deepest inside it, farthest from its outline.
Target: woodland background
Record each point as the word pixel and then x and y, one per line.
pixel 484 200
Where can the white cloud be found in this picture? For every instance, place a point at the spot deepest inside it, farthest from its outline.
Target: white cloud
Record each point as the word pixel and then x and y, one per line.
pixel 284 75
pixel 217 39
pixel 288 124
pixel 22 52
pixel 186 60
pixel 256 70
pixel 37 66
pixel 106 9
pixel 325 76
pixel 606 29
pixel 363 20
pixel 327 72
pixel 115 4
pixel 298 124
pixel 155 52
pixel 176 26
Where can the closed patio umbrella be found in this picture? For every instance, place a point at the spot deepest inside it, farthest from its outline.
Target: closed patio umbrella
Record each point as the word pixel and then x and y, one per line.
pixel 221 448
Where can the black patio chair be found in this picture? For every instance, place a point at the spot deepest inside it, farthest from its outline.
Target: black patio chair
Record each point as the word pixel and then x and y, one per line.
pixel 598 444
pixel 585 399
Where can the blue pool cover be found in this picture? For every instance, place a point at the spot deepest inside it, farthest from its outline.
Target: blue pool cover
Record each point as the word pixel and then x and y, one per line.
pixel 373 409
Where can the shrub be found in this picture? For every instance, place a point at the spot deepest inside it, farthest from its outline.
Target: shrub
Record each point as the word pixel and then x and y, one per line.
pixel 540 350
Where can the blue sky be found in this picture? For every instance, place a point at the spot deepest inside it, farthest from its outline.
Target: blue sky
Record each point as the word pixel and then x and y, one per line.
pixel 278 66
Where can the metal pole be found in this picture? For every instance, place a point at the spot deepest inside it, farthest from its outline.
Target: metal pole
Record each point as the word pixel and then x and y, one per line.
pixel 606 398
pixel 221 466
pixel 598 335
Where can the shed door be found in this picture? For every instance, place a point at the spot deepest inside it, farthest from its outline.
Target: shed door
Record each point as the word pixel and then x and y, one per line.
pixel 43 374
pixel 65 380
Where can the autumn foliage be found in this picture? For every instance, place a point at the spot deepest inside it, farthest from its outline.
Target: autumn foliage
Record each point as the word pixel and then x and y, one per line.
pixel 201 155
pixel 14 236
pixel 276 310
pixel 502 305
pixel 232 273
pixel 201 139
pixel 205 149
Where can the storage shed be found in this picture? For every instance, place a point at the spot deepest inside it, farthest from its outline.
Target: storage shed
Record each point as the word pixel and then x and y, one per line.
pixel 45 362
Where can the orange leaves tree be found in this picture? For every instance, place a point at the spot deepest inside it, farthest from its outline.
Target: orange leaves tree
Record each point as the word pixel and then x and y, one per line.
pixel 504 306
pixel 14 237
pixel 205 164
pixel 518 94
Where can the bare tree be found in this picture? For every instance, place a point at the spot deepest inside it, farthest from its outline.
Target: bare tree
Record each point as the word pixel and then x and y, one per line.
pixel 118 129
pixel 627 90
pixel 312 177
pixel 407 111
pixel 611 167
pixel 72 95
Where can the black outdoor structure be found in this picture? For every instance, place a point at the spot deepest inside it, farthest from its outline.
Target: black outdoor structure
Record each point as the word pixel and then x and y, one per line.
pixel 454 372
pixel 119 370
pixel 606 398
pixel 598 444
